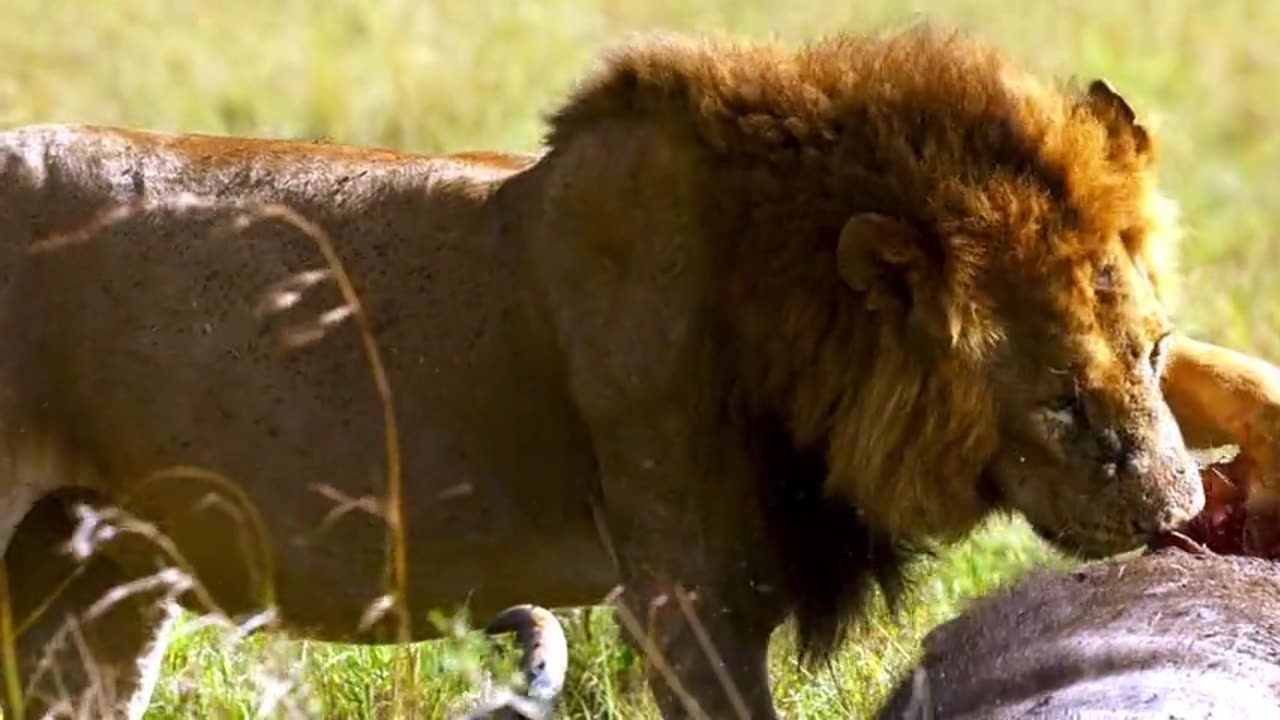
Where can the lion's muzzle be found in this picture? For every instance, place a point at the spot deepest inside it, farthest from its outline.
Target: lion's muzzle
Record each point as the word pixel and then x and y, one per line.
pixel 1168 490
pixel 1104 482
pixel 1147 484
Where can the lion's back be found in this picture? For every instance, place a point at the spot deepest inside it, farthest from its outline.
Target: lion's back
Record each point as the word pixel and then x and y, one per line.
pixel 148 345
pixel 161 310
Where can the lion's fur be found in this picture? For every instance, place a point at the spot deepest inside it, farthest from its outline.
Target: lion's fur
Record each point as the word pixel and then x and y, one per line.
pixel 932 128
pixel 867 435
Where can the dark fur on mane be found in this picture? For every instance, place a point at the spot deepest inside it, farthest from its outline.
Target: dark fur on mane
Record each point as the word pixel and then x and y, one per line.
pixel 882 115
pixel 831 559
pixel 865 435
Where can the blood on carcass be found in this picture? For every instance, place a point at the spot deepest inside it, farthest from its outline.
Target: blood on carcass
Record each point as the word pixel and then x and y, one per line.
pixel 1229 524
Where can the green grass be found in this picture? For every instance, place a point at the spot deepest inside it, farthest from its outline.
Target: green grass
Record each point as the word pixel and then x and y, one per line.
pixel 455 74
pixel 205 677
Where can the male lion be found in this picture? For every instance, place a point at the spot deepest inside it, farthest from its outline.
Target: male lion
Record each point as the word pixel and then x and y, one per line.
pixel 758 324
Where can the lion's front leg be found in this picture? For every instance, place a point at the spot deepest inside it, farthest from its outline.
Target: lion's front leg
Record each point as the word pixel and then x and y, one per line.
pixel 629 300
pixel 687 560
pixel 701 659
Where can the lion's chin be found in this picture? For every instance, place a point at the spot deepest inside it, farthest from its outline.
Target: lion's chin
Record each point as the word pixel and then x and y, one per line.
pixel 1089 545
pixel 1085 543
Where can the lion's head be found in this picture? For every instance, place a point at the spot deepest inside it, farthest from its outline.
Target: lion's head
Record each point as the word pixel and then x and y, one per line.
pixel 1024 303
pixel 1089 450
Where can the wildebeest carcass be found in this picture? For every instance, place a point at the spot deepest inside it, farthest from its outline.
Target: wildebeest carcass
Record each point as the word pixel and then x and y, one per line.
pixel 1167 634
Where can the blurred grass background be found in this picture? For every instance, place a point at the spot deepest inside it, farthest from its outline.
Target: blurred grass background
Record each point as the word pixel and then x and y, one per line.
pixel 439 75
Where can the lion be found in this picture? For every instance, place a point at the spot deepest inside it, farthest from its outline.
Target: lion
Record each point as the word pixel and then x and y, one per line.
pixel 755 327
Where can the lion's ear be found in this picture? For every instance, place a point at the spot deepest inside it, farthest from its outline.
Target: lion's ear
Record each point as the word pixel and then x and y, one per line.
pixel 890 264
pixel 1117 115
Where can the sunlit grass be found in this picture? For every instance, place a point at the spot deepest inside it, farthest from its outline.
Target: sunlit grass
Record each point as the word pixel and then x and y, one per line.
pixel 459 74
